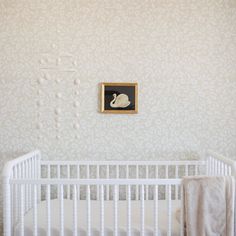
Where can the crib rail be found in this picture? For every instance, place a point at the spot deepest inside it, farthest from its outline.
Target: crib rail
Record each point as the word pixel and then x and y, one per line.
pixel 96 182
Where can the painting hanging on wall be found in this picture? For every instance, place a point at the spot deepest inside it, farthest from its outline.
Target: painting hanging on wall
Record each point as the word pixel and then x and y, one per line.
pixel 119 98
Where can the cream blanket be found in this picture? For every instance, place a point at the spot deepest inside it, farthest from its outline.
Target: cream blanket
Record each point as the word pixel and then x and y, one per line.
pixel 209 205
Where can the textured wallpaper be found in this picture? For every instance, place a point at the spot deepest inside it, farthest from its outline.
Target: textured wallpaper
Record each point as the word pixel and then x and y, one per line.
pixel 53 55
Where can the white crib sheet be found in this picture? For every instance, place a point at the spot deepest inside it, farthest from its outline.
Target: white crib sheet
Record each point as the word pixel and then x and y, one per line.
pixel 95 218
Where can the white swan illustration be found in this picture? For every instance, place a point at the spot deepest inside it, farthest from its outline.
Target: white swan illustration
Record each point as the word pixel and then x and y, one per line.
pixel 121 101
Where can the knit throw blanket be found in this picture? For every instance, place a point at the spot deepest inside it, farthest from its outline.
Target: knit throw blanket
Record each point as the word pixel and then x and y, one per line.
pixel 209 205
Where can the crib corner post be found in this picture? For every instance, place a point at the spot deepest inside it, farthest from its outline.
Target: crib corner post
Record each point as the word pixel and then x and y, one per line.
pixel 6 207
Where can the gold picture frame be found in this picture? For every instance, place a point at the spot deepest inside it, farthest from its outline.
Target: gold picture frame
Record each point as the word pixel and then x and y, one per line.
pixel 119 98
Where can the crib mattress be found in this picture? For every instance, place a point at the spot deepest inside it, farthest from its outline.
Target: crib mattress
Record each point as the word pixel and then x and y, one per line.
pixel 95 218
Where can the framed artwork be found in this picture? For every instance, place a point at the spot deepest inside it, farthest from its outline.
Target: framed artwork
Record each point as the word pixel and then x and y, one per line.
pixel 119 98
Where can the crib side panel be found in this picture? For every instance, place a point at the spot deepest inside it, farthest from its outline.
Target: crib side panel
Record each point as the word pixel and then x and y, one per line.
pixel 115 170
pixel 117 186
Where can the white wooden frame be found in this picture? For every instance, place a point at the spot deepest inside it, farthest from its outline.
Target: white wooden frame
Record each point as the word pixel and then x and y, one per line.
pixel 23 182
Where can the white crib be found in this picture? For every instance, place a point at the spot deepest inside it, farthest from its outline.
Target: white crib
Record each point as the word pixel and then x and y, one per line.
pixel 99 197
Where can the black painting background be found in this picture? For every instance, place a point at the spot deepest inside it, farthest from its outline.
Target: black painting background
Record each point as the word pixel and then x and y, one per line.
pixel 128 90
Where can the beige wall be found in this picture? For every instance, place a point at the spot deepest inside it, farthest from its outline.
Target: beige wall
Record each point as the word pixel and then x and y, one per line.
pixel 53 54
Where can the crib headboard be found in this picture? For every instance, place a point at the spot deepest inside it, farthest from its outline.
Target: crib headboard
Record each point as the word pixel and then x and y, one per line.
pixel 218 164
pixel 24 167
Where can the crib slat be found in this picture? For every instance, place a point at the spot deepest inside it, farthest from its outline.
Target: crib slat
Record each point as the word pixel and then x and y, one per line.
pixel 156 209
pixel 88 211
pixel 137 187
pixel 222 168
pixel 58 176
pixel 58 171
pixel 117 171
pixel 97 186
pixel 167 171
pixel 35 214
pixel 61 210
pixel 186 170
pixel 176 171
pixel 78 171
pixel 115 195
pixel 127 171
pixel 157 172
pixel 38 176
pixel 214 167
pixel 117 175
pixel 169 205
pixel 142 211
pixel 219 168
pixel 22 207
pixel 146 187
pixel 30 186
pixel 181 211
pixel 101 210
pixel 68 176
pixel 75 216
pixel 210 166
pixel 24 174
pixel 19 189
pixel 107 187
pixel 128 211
pixel 167 176
pixel 16 196
pixel 213 171
pixel 78 177
pixel 48 210
pixel 11 197
pixel 48 171
pixel 226 170
pixel 26 167
pixel 196 170
pixel 176 186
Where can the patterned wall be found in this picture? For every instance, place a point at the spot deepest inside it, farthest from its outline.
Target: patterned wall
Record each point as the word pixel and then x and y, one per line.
pixel 54 54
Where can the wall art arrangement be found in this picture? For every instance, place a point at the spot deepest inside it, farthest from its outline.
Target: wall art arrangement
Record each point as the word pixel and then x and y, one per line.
pixel 119 98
